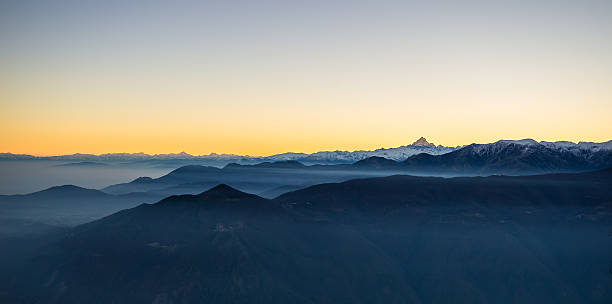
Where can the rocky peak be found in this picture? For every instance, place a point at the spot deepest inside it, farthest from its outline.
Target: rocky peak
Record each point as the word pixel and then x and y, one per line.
pixel 423 142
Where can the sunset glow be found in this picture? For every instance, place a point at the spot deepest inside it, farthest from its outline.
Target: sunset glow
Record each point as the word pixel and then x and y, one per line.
pixel 278 76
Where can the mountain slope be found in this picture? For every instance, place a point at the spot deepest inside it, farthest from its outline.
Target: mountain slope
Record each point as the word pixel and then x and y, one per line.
pixel 67 205
pixel 515 157
pixel 395 239
pixel 504 157
pixel 219 246
pixel 322 157
pixel 60 192
pixel 258 178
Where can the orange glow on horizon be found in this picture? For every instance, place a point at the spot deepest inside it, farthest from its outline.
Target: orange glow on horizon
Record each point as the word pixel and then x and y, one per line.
pixel 227 78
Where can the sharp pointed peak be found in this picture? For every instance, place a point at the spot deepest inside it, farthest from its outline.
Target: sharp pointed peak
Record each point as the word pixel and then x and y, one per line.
pixel 221 187
pixel 423 142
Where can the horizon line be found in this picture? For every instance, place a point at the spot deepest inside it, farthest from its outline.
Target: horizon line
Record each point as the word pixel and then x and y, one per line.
pixel 287 152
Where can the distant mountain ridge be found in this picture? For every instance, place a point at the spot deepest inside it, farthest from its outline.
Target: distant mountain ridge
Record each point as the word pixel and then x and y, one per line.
pixel 523 157
pixel 273 178
pixel 517 157
pixel 68 205
pixel 399 153
pixel 323 157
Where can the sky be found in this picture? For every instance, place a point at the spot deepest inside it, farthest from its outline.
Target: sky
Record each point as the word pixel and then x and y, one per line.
pixel 265 77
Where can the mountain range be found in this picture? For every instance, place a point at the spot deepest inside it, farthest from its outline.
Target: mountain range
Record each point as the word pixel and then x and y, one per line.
pixel 516 157
pixel 66 206
pixel 396 239
pixel 71 205
pixel 583 154
pixel 323 157
pixel 499 222
pixel 269 179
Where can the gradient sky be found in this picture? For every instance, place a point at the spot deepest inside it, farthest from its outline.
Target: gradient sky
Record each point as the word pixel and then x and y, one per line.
pixel 263 77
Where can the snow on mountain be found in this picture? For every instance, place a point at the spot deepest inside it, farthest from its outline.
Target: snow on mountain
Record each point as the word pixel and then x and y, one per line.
pixel 530 145
pixel 596 146
pixel 323 157
pixel 397 154
pixel 286 156
pixel 517 157
pixel 564 145
pixel 333 157
pixel 526 141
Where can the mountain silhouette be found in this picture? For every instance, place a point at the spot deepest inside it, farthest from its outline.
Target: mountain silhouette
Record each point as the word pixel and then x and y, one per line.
pixel 68 205
pixel 375 240
pixel 423 142
pixel 226 192
pixel 511 157
pixel 286 164
pixel 522 157
pixel 66 190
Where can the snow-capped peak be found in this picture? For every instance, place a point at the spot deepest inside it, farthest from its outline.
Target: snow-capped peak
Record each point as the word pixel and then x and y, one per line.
pixel 526 141
pixel 530 145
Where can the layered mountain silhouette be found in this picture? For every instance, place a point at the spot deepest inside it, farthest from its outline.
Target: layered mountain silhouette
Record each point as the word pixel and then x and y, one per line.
pixel 67 205
pixel 399 154
pixel 515 157
pixel 363 232
pixel 70 205
pixel 322 157
pixel 260 178
pixel 394 239
pixel 522 157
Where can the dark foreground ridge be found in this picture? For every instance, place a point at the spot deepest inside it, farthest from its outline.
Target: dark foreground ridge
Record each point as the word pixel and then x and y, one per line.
pixel 398 239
